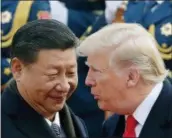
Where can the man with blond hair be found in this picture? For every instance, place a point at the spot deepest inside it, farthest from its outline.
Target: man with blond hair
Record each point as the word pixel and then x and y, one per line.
pixel 127 76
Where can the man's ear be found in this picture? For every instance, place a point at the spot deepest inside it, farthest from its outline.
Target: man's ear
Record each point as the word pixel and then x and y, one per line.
pixel 16 68
pixel 133 77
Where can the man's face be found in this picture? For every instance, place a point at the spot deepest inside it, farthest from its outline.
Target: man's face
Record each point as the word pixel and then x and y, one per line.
pixel 51 79
pixel 107 86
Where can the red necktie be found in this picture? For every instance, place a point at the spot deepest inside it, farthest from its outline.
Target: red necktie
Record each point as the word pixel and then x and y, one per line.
pixel 130 127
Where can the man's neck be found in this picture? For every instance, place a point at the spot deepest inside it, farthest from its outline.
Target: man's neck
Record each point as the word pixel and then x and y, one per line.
pixel 141 92
pixel 51 118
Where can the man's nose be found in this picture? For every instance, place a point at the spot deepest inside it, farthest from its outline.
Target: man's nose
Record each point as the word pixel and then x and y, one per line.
pixel 89 81
pixel 63 85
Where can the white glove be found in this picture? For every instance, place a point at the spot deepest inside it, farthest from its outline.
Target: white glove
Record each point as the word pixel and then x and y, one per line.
pixel 111 8
pixel 59 11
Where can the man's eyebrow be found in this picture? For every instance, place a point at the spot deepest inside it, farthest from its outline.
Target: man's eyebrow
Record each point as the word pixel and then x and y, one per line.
pixel 53 66
pixel 72 66
pixel 59 66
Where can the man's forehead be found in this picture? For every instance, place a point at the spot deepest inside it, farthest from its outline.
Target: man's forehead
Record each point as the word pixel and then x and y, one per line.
pixel 63 64
pixel 57 58
pixel 97 60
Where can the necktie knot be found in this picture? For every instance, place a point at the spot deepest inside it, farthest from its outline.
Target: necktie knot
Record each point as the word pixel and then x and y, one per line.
pixel 130 126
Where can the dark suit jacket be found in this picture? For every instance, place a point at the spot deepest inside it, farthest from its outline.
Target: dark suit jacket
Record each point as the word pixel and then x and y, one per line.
pixel 19 120
pixel 157 125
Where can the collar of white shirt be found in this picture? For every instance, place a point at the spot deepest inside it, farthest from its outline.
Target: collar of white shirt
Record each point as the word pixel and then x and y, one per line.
pixel 56 120
pixel 143 110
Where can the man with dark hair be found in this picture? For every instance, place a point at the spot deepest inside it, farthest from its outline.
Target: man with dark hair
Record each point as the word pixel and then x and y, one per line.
pixel 44 67
pixel 14 14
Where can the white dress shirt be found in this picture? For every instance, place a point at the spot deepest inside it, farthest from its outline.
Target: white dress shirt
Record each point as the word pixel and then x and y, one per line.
pixel 56 120
pixel 143 110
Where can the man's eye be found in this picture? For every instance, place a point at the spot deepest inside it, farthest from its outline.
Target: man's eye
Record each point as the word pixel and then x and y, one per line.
pixel 95 70
pixel 70 73
pixel 52 77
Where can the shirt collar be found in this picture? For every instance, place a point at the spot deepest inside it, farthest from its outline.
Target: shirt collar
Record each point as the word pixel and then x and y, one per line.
pixel 56 120
pixel 142 111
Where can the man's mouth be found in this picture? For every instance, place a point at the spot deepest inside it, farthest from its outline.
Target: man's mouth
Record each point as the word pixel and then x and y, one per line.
pixel 96 97
pixel 58 99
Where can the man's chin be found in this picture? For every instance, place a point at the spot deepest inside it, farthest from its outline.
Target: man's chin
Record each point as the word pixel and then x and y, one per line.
pixel 56 108
pixel 102 106
pixel 59 107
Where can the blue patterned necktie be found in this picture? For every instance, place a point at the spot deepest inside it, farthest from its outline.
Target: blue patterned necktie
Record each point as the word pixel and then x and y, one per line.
pixel 56 130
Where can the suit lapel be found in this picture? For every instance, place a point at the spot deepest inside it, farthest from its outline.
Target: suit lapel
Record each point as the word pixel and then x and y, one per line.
pixel 120 126
pixel 80 128
pixel 159 116
pixel 118 123
pixel 67 122
pixel 72 125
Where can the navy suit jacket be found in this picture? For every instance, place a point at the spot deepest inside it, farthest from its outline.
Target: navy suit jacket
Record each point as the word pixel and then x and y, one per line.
pixel 19 120
pixel 157 125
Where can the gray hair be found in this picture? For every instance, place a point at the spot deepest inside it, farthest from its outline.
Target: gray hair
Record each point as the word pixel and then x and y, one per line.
pixel 129 42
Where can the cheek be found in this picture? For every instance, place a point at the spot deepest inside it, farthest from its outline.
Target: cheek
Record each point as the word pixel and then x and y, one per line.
pixel 41 88
pixel 104 86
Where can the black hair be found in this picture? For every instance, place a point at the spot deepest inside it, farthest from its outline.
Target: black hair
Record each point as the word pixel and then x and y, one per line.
pixel 41 34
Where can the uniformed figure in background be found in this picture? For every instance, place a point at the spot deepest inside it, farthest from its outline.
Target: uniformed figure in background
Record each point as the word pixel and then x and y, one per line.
pixel 155 16
pixel 77 14
pixel 6 74
pixel 15 14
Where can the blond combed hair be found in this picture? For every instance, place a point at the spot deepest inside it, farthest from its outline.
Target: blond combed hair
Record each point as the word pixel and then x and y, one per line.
pixel 128 42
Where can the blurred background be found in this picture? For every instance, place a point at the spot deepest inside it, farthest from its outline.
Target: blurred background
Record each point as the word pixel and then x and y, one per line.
pixel 85 17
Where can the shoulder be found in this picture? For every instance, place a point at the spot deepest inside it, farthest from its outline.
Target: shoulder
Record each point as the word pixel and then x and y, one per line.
pixel 165 98
pixel 167 86
pixel 9 130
